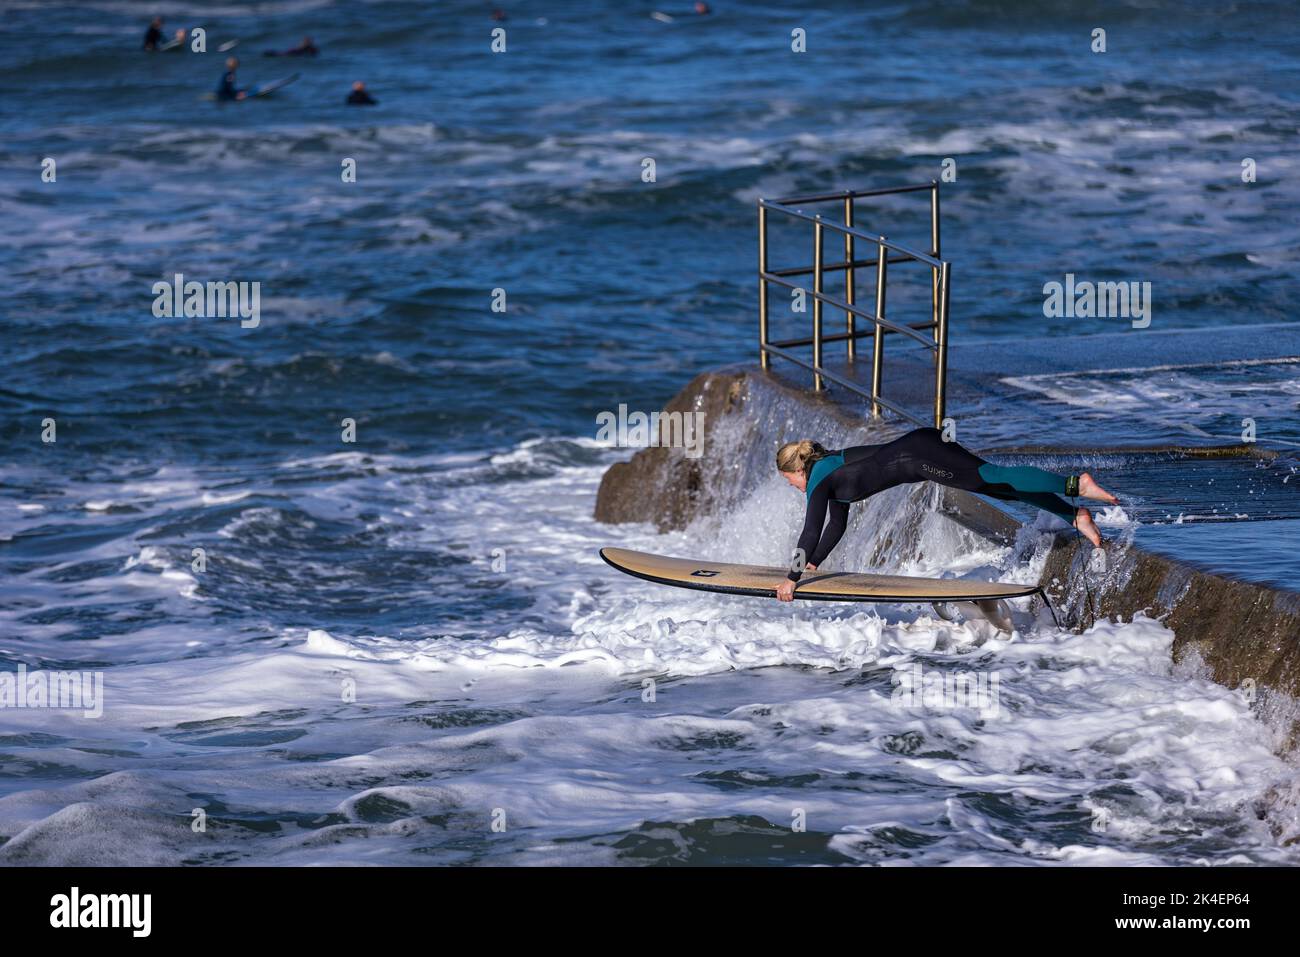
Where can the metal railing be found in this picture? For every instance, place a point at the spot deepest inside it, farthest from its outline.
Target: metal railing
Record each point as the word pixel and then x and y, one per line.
pixel 888 252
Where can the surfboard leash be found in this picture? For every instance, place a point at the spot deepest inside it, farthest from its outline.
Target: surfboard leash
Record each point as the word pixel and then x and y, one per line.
pixel 1042 593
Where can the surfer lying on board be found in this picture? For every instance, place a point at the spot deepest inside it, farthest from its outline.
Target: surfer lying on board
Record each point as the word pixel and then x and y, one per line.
pixel 832 480
pixel 306 48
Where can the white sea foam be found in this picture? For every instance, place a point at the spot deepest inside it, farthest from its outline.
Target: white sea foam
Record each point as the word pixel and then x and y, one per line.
pixel 758 710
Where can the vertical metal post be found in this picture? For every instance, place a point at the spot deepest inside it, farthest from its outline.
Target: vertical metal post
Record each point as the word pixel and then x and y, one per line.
pixel 878 352
pixel 763 360
pixel 849 291
pixel 934 251
pixel 818 244
pixel 941 351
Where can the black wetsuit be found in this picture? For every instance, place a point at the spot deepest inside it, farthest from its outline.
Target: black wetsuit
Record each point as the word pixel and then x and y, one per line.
pixel 300 50
pixel 361 98
pixel 853 474
pixel 152 38
pixel 226 89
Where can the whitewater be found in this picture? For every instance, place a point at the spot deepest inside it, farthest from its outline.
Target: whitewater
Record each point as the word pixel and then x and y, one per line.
pixel 613 720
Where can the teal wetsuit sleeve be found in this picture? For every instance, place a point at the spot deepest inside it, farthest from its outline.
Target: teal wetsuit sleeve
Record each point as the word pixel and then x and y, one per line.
pixel 813 521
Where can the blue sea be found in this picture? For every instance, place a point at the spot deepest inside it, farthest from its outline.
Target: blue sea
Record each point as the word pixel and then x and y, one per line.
pixel 338 570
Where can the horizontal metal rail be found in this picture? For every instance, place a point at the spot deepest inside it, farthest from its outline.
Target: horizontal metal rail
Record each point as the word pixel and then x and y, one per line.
pixel 852 194
pixel 927 341
pixel 888 252
pixel 838 267
pixel 841 336
pixel 846 383
pixel 851 231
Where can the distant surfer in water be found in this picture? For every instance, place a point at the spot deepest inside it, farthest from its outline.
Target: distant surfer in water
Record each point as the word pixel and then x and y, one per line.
pixel 832 480
pixel 701 9
pixel 153 36
pixel 360 96
pixel 306 48
pixel 226 89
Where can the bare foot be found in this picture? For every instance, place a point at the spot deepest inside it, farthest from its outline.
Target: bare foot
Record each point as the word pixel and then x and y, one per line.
pixel 1084 523
pixel 1090 489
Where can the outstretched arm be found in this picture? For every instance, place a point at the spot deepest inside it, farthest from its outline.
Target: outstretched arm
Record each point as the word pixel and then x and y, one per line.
pixel 813 521
pixel 829 538
pixel 836 523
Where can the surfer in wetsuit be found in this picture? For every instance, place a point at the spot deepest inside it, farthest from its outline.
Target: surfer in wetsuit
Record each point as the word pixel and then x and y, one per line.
pixel 306 48
pixel 153 36
pixel 831 480
pixel 360 96
pixel 226 89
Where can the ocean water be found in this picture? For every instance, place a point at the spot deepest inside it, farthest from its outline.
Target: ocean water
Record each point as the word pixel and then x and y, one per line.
pixel 399 641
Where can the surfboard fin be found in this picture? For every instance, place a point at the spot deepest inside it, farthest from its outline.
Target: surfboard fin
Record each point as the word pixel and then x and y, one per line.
pixel 944 610
pixel 996 612
pixel 993 610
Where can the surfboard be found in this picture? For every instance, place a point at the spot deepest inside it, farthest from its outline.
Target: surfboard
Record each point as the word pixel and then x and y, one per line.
pixel 264 88
pixel 254 91
pixel 762 581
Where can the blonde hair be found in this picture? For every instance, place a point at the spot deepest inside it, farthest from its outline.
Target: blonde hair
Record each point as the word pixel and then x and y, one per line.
pixel 799 456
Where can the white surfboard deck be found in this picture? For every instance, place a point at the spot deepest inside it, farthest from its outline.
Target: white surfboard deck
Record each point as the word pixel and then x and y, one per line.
pixel 762 581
